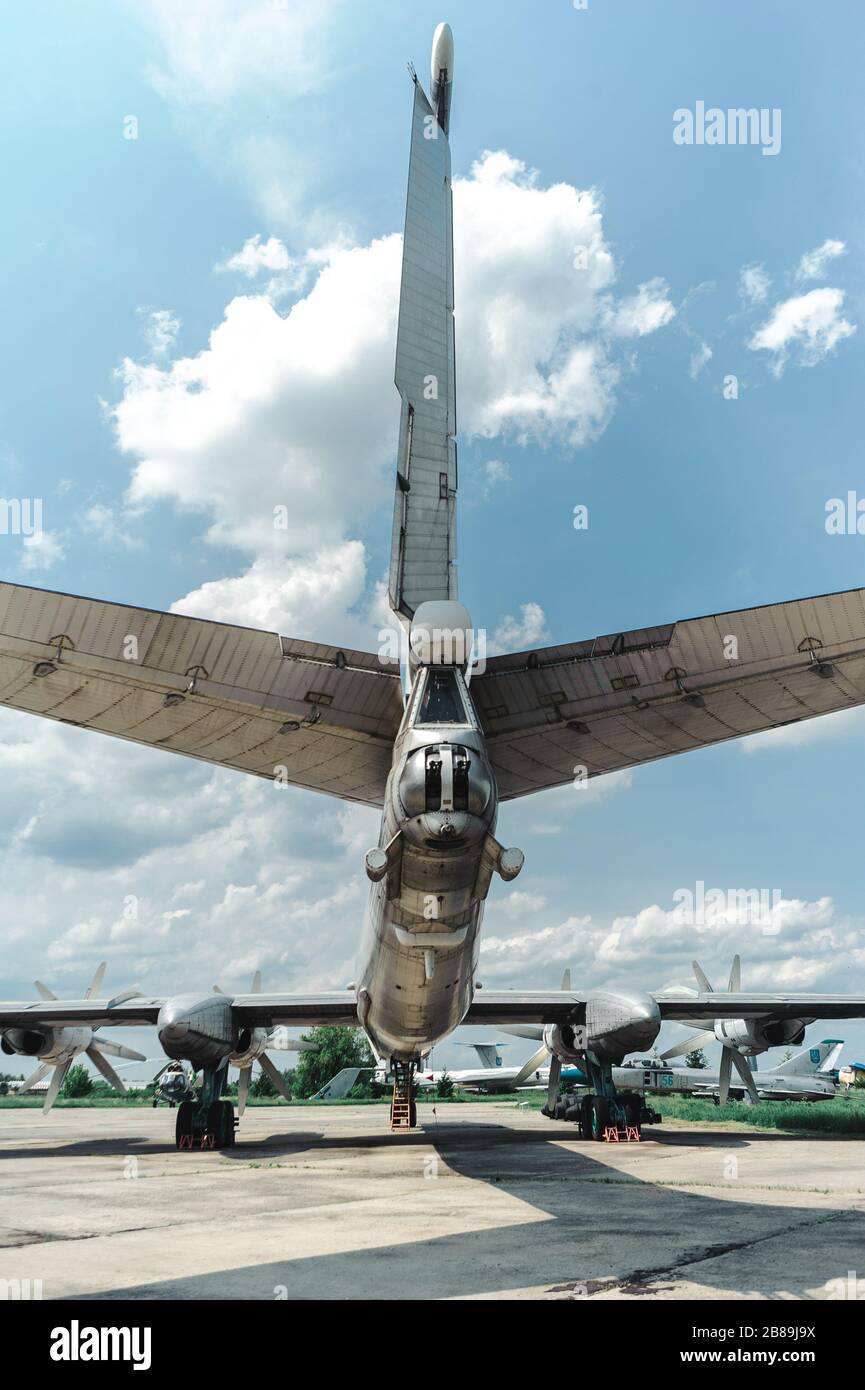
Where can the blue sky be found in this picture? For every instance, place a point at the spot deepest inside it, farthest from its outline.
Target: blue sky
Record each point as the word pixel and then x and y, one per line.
pixel 291 126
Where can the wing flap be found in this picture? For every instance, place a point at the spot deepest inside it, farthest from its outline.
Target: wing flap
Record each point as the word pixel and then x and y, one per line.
pixel 622 700
pixel 229 690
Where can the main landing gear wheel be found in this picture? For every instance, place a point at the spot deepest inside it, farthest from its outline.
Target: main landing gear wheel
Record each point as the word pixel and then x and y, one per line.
pixel 633 1106
pixel 220 1124
pixel 600 1117
pixel 183 1125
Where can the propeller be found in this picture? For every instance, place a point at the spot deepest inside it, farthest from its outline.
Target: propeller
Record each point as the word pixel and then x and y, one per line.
pixel 730 1054
pixel 97 1048
pixel 277 1038
pixel 539 1058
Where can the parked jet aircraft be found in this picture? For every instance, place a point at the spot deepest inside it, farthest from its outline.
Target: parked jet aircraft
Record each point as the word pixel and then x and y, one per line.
pixel 434 739
pixel 810 1075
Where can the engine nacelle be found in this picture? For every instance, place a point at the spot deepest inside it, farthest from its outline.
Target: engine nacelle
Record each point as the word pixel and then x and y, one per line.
pixel 198 1029
pixel 250 1045
pixel 619 1022
pixel 561 1041
pixel 45 1043
pixel 751 1036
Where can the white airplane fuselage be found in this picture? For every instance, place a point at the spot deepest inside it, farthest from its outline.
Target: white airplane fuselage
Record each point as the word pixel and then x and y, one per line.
pixel 419 951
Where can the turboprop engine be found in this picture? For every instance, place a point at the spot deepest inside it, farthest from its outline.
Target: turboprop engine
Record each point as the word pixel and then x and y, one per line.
pixel 48 1044
pixel 616 1023
pixel 203 1030
pixel 751 1036
pixel 563 1041
pixel 57 1048
pixel 739 1037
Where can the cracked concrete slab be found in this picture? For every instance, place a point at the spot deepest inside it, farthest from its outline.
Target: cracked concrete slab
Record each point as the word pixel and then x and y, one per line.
pixel 484 1201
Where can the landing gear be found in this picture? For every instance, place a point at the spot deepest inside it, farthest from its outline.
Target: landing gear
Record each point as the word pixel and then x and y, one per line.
pixel 607 1115
pixel 208 1121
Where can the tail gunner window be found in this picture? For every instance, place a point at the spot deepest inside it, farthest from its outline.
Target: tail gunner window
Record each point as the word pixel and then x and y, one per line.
pixel 441 703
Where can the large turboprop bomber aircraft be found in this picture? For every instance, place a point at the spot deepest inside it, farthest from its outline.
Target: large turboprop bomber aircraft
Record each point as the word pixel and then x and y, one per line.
pixel 429 734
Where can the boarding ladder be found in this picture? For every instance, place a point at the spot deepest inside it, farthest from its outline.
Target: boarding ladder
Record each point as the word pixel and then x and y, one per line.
pixel 401 1101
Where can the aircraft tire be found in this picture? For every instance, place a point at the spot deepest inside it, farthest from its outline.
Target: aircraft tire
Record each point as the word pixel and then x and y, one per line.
pixel 585 1120
pixel 600 1117
pixel 183 1123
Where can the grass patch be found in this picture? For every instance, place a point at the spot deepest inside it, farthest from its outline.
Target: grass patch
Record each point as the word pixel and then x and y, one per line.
pixel 843 1115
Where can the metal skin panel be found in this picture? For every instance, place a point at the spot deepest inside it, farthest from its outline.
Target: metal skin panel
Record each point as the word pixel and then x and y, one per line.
pixel 423 547
pixel 247 685
pixel 528 712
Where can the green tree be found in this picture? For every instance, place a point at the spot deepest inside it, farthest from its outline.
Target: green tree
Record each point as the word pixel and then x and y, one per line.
pixel 77 1082
pixel 696 1059
pixel 337 1048
pixel 444 1087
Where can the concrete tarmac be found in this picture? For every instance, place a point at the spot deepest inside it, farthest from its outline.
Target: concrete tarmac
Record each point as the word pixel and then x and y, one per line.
pixel 484 1200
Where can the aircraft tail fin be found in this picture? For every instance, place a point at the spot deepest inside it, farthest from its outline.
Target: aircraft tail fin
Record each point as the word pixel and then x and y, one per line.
pixel 423 547
pixel 339 1086
pixel 812 1060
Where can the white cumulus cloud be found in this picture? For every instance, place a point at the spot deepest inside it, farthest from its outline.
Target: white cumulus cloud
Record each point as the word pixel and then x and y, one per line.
pixel 814 263
pixel 811 325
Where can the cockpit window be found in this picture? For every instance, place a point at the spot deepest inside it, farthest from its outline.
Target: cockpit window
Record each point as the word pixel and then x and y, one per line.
pixel 441 703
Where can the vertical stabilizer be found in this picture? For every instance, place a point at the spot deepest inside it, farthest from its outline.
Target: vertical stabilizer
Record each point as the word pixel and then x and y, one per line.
pixel 423 547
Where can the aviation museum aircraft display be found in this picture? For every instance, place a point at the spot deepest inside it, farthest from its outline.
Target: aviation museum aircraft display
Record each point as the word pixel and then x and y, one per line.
pixel 427 739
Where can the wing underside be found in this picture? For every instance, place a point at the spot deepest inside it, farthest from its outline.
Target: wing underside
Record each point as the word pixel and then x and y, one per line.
pixel 633 697
pixel 300 712
pixel 562 1006
pixel 338 1008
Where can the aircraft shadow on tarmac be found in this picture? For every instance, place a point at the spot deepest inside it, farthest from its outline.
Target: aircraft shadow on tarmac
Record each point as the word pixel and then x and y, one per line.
pixel 595 1226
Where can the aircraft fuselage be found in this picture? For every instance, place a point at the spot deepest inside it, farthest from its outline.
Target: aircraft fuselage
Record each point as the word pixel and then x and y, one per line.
pixel 435 857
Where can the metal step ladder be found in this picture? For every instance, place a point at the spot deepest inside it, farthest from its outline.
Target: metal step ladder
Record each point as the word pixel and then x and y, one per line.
pixel 401 1104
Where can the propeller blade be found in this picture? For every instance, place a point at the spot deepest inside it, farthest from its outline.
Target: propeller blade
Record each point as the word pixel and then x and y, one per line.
pixel 57 1080
pixel 38 1075
pixel 281 1042
pixel 275 1076
pixel 243 1088
pixel 526 1030
pixel 44 991
pixel 687 1045
pixel 101 1064
pixel 701 977
pixel 217 990
pixel 741 1065
pixel 117 1049
pixel 96 983
pixel 724 1075
pixel 536 1060
pixel 553 1083
pixel 735 984
pixel 566 980
pixel 256 983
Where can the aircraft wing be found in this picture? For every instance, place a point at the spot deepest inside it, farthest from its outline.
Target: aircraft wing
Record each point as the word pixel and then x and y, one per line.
pixel 568 1006
pixel 252 1010
pixel 633 697
pixel 208 690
